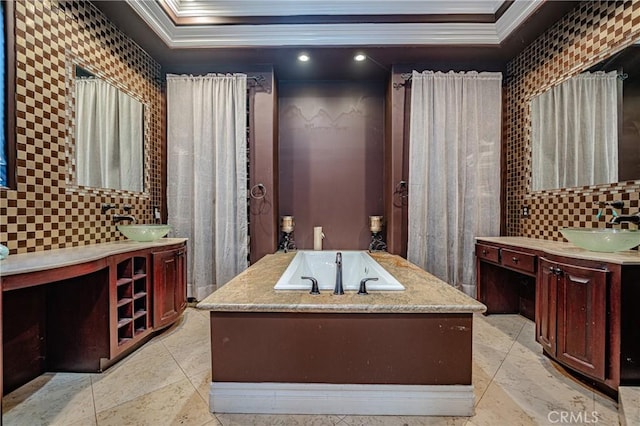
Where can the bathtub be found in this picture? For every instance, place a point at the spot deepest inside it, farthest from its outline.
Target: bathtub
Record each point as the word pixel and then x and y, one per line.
pixel 321 265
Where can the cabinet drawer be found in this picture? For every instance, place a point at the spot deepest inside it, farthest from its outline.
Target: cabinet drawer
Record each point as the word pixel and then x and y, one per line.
pixel 489 253
pixel 524 262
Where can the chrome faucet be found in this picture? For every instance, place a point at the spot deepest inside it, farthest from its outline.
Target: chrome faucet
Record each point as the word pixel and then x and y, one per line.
pixel 117 218
pixel 338 289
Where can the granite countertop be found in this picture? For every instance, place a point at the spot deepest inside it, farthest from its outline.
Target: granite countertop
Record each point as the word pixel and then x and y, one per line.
pixel 58 258
pixel 560 248
pixel 252 291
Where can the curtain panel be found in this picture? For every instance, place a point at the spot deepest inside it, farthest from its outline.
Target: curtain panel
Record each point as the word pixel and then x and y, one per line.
pixel 454 171
pixel 207 175
pixel 574 133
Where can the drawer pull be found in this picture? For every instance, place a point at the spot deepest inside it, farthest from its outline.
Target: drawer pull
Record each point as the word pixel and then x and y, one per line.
pixel 514 259
pixel 484 252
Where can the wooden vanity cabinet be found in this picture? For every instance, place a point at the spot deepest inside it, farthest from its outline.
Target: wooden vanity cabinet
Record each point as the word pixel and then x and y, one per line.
pixel 85 316
pixel 169 288
pixel 506 279
pixel 571 315
pixel 586 315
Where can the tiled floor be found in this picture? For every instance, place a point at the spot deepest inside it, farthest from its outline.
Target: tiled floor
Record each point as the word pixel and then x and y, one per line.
pixel 166 382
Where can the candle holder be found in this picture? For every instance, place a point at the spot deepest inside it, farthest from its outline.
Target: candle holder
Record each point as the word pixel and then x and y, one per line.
pixel 377 242
pixel 286 239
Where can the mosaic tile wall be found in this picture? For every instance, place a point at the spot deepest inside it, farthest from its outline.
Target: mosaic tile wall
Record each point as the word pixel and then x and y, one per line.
pixel 44 212
pixel 588 34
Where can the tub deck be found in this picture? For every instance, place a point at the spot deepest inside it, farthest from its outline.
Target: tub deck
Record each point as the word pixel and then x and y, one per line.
pixel 402 352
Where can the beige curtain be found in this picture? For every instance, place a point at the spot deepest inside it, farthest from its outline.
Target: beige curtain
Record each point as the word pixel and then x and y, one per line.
pixel 454 171
pixel 574 133
pixel 109 136
pixel 207 175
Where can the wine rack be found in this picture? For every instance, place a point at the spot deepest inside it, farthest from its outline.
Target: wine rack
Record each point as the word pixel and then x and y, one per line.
pixel 132 287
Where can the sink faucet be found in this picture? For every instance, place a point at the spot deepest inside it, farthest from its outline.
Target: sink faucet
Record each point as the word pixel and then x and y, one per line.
pixel 632 218
pixel 338 288
pixel 117 218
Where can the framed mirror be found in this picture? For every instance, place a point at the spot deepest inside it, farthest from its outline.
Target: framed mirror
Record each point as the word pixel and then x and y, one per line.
pixel 586 130
pixel 106 139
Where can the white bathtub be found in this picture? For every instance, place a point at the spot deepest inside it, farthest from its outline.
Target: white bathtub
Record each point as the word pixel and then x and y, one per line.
pixel 321 265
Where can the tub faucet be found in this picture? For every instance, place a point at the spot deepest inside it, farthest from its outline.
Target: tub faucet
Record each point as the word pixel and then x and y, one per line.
pixel 117 218
pixel 338 288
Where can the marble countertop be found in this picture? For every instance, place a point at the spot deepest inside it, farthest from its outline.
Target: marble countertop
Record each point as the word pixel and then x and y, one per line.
pixel 252 291
pixel 560 248
pixel 58 258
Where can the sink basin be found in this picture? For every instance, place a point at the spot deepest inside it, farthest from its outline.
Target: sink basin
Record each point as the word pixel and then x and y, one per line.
pixel 602 239
pixel 144 233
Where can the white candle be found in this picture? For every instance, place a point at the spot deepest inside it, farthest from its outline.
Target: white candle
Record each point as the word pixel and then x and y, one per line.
pixel 287 224
pixel 375 223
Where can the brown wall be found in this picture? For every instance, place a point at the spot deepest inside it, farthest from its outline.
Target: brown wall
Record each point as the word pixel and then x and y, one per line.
pixel 331 159
pixel 41 213
pixel 263 164
pixel 585 36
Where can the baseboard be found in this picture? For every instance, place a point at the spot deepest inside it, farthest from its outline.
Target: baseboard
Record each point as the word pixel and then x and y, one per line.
pixel 320 398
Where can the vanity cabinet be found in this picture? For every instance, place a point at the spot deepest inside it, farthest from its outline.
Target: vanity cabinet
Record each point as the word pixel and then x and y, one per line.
pixel 82 309
pixel 169 287
pixel 571 315
pixel 585 303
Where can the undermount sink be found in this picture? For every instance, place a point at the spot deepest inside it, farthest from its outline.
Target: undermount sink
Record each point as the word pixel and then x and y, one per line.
pixel 603 239
pixel 144 233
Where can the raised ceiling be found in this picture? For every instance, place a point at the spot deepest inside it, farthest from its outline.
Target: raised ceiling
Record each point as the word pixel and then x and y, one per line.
pixel 227 35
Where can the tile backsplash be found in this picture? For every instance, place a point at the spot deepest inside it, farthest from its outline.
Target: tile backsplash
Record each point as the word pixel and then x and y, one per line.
pixel 43 212
pixel 589 33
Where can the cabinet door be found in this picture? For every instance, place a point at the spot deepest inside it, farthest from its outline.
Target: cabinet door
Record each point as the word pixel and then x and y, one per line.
pixel 169 295
pixel 546 296
pixel 581 320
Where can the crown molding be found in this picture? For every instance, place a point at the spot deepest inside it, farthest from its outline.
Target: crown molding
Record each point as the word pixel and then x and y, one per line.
pixel 317 35
pixel 226 8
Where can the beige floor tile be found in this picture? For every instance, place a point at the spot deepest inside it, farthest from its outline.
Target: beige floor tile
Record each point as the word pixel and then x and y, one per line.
pixel 175 404
pixel 630 406
pixel 497 407
pixel 605 411
pixel 193 330
pixel 481 380
pixel 276 420
pixel 403 421
pixel 192 359
pixel 540 388
pixel 202 382
pixel 147 370
pixel 51 399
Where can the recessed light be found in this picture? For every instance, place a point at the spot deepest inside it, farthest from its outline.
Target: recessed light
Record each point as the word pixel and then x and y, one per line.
pixel 303 57
pixel 360 57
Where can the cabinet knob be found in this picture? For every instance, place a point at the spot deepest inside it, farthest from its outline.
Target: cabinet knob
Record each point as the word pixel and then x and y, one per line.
pixel 514 259
pixel 484 252
pixel 555 270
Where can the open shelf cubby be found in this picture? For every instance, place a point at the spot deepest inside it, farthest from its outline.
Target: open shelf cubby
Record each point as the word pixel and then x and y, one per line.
pixel 132 288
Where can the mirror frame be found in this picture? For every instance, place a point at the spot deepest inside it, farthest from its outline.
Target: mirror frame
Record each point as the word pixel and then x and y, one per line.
pixel 71 177
pixel 547 86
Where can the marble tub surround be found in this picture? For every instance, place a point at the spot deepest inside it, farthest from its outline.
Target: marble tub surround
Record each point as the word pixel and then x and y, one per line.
pixel 59 258
pixel 252 291
pixel 559 248
pixel 387 353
